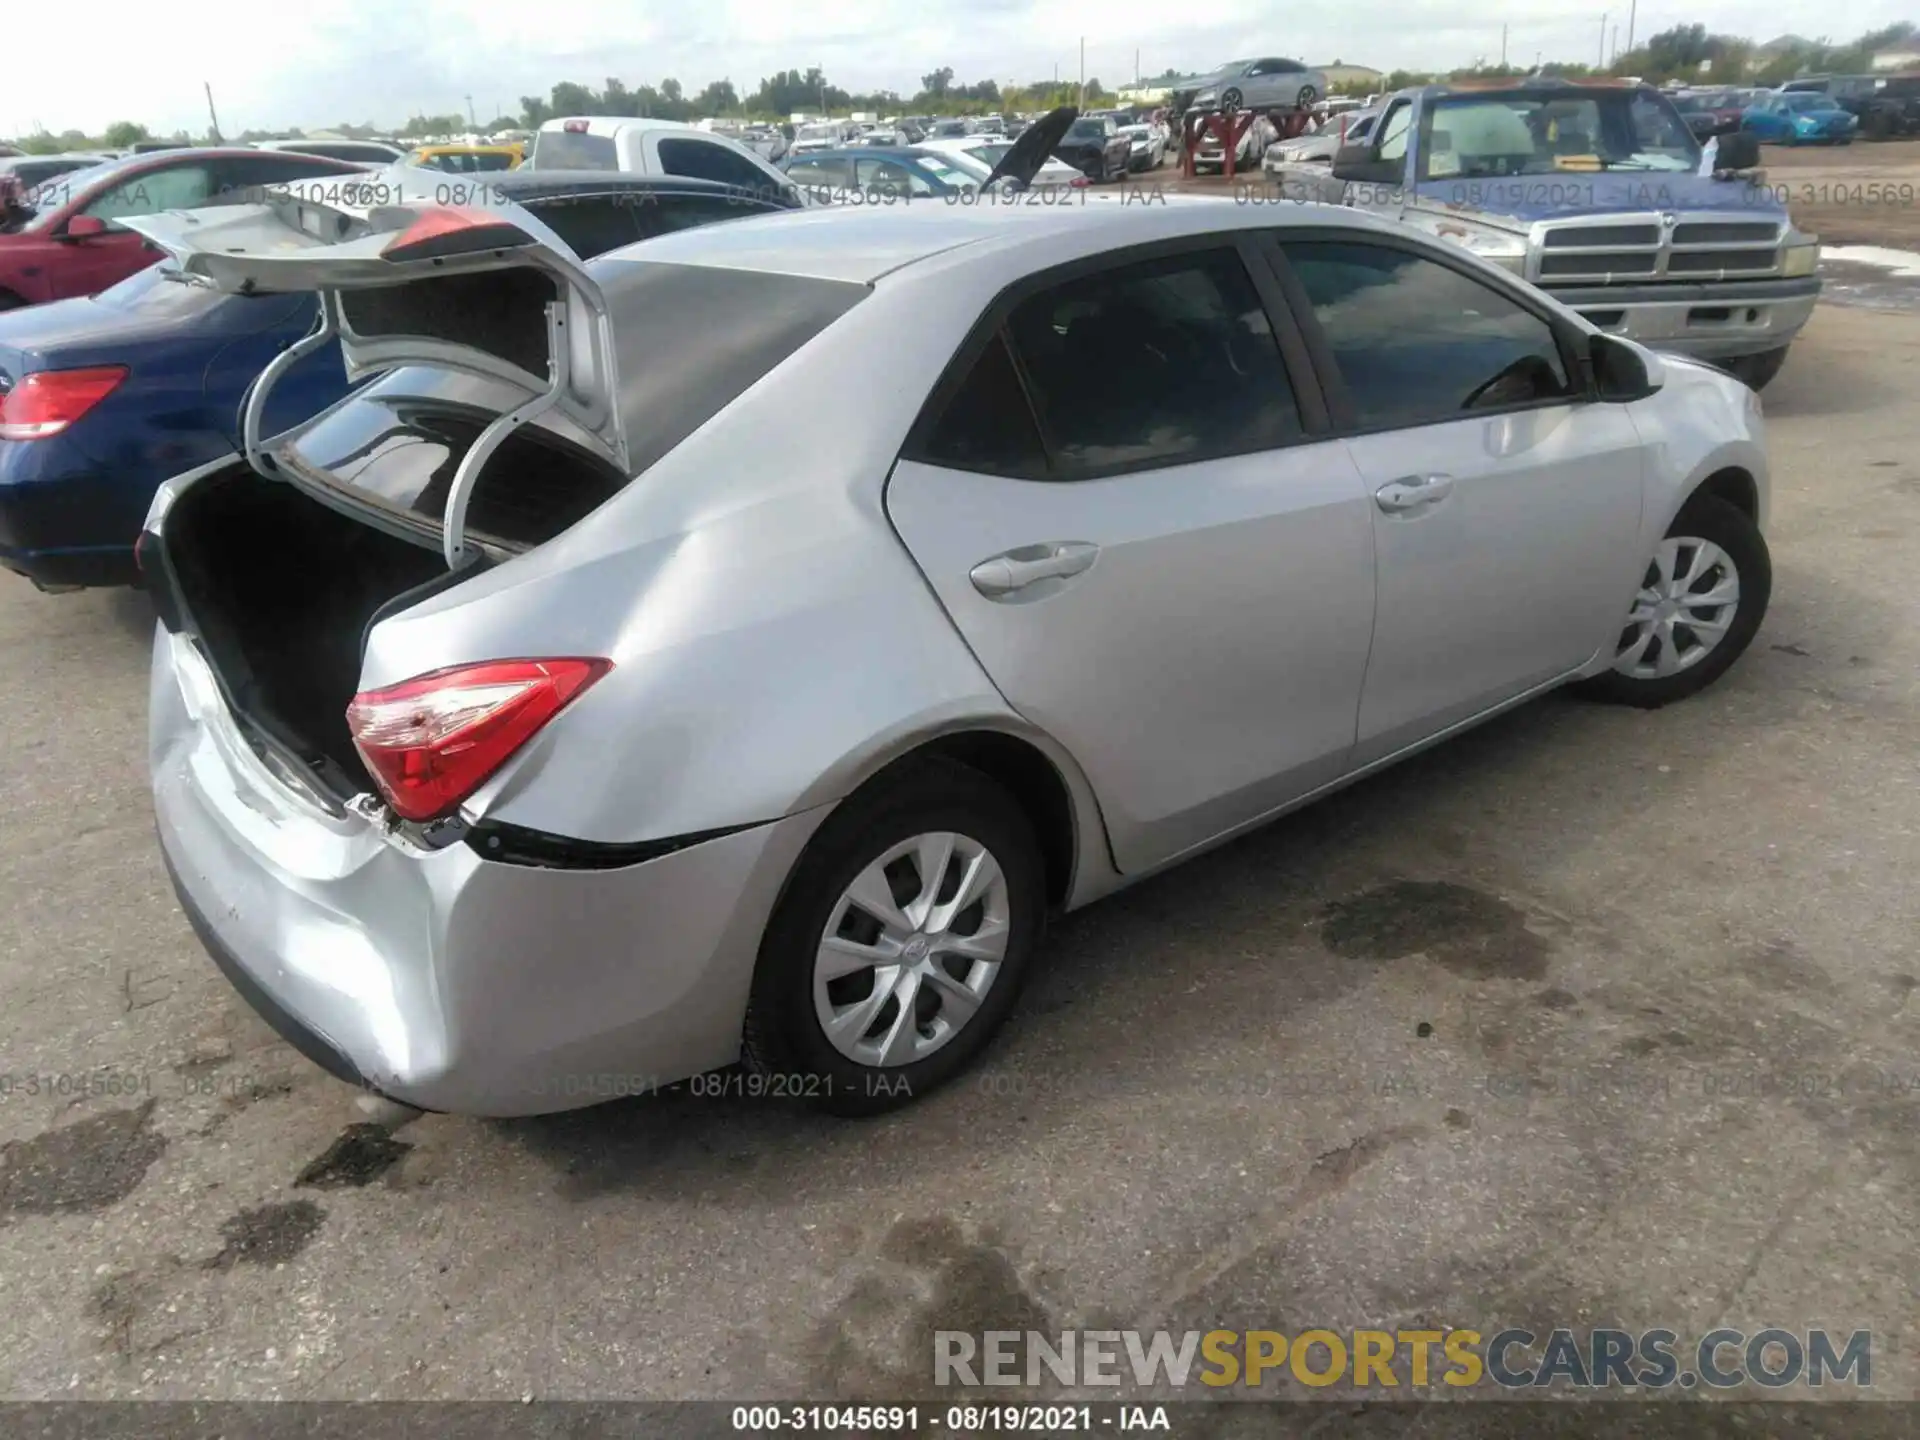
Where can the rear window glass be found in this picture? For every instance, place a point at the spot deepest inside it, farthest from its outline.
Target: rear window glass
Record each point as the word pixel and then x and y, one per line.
pixel 562 150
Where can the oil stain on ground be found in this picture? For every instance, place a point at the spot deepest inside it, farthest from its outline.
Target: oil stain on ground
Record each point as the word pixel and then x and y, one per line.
pixel 878 1341
pixel 1466 930
pixel 87 1165
pixel 359 1156
pixel 269 1235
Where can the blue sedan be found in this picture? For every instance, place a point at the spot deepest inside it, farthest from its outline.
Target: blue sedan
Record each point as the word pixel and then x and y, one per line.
pixel 104 397
pixel 1799 118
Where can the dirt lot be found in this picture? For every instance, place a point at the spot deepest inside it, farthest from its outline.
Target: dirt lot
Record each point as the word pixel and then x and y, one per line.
pixel 1591 1016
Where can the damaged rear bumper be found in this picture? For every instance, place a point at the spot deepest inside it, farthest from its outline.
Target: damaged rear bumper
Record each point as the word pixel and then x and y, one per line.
pixel 437 977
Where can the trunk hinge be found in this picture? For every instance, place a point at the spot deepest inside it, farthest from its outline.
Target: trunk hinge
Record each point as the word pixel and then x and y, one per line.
pixel 251 442
pixel 453 526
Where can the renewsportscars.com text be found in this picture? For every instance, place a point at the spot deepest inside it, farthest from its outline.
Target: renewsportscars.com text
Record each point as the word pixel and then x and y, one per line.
pixel 1407 1359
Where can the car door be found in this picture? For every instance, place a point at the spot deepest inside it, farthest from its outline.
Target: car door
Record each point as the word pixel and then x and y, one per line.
pixel 1160 559
pixel 1506 504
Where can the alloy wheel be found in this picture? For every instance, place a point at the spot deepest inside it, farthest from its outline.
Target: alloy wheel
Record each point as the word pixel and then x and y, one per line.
pixel 911 948
pixel 1684 608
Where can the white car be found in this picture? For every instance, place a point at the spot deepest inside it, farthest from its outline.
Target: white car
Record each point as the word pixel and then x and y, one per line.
pixel 1149 144
pixel 650 147
pixel 361 152
pixel 1320 147
pixel 989 150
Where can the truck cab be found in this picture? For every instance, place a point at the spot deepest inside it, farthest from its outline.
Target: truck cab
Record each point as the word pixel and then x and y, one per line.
pixel 654 147
pixel 1600 195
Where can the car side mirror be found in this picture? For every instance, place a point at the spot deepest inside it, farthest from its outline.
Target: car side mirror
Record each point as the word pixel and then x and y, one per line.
pixel 84 227
pixel 1619 372
pixel 1739 150
pixel 1356 162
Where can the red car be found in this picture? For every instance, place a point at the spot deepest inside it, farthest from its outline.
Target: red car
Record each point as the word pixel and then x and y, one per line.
pixel 67 240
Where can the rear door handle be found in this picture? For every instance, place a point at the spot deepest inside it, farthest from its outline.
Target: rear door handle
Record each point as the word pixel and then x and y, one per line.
pixel 1410 492
pixel 1005 576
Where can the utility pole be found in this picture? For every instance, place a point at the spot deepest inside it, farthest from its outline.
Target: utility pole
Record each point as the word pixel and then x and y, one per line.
pixel 1633 11
pixel 211 116
pixel 1616 44
pixel 472 119
pixel 1503 47
pixel 1136 69
pixel 1603 41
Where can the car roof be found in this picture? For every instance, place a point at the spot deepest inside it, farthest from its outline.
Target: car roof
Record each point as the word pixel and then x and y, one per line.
pixel 863 245
pixel 523 184
pixel 610 124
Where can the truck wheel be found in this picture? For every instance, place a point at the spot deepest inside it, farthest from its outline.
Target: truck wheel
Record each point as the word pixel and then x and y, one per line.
pixel 1754 371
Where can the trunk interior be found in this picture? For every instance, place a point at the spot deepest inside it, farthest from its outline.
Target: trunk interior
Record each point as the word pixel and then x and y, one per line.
pixel 281 590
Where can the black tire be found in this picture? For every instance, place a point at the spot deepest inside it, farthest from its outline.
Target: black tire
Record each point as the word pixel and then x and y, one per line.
pixel 1757 371
pixel 783 1036
pixel 10 301
pixel 1230 99
pixel 1306 97
pixel 1704 517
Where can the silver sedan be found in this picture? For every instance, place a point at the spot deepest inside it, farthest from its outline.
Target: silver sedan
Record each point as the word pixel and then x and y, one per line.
pixel 601 696
pixel 1271 83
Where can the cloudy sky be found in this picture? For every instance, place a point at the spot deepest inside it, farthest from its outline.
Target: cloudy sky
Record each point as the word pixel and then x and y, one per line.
pixel 325 61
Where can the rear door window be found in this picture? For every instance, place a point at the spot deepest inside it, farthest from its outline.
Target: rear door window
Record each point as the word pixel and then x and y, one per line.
pixel 987 425
pixel 704 160
pixel 1160 362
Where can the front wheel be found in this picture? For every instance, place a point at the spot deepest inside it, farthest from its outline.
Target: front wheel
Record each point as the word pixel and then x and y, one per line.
pixel 901 943
pixel 1230 99
pixel 1699 606
pixel 1756 371
pixel 1304 100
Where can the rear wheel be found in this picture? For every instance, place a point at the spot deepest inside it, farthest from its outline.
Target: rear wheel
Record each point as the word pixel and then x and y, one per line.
pixel 901 943
pixel 1699 606
pixel 1306 97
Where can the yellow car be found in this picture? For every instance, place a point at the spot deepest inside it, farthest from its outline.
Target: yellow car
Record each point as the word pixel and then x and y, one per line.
pixel 469 159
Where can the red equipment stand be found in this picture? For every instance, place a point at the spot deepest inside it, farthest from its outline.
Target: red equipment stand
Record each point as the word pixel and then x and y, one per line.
pixel 1230 128
pixel 1227 126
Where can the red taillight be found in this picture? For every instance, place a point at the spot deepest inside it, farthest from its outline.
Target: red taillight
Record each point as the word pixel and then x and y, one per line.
pixel 1077 182
pixel 48 401
pixel 430 741
pixel 449 230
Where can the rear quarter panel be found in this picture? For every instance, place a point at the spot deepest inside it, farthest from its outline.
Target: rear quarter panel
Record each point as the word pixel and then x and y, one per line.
pixel 773 642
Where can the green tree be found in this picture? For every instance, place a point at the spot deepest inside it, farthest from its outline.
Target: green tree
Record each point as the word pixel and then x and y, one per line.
pixel 719 98
pixel 123 133
pixel 936 84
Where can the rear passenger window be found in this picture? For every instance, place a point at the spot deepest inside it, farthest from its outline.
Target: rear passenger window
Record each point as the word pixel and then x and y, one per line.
pixel 1418 342
pixel 592 224
pixel 987 425
pixel 704 160
pixel 1157 363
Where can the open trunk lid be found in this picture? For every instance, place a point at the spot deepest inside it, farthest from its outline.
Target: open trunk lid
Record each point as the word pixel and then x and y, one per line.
pixel 483 288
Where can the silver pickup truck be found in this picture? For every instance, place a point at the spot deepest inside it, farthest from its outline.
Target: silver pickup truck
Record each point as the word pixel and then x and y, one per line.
pixel 1599 194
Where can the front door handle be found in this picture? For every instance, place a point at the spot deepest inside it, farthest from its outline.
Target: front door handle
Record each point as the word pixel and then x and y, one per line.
pixel 1410 492
pixel 1005 576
